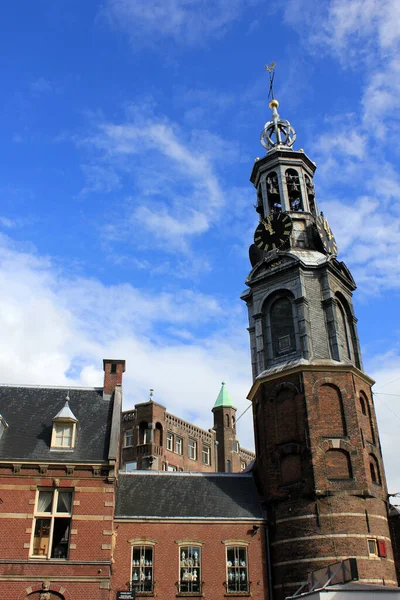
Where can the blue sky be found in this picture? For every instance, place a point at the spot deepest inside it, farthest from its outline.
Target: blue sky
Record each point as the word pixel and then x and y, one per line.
pixel 129 130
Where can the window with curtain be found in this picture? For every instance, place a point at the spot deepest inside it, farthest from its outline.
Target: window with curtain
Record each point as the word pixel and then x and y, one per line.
pixel 52 524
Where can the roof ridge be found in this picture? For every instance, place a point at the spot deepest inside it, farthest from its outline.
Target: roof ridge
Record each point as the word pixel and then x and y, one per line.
pixel 49 387
pixel 187 473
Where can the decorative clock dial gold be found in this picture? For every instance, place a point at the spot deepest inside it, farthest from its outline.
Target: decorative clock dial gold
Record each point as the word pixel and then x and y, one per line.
pixel 273 232
pixel 326 235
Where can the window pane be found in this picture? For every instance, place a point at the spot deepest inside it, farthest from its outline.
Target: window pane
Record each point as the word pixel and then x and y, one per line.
pixel 237 574
pixel 45 501
pixel 192 447
pixel 131 466
pixel 41 537
pixel 128 437
pixel 282 328
pixel 189 569
pixel 59 548
pixel 64 435
pixel 142 568
pixel 64 502
pixel 169 441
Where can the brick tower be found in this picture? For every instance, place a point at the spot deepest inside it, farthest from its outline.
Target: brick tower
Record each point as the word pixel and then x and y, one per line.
pixel 319 461
pixel 225 426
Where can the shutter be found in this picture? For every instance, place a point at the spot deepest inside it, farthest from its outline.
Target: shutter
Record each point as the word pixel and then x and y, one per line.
pixel 382 548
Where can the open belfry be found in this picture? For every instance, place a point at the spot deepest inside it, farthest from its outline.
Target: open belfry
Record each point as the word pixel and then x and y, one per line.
pixel 319 463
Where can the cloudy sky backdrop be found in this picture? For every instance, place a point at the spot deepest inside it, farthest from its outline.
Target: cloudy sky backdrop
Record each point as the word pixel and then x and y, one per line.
pixel 128 133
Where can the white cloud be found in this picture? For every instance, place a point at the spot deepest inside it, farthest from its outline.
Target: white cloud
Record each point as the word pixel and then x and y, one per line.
pixel 175 191
pixel 42 86
pixel 99 179
pixel 57 329
pixel 185 21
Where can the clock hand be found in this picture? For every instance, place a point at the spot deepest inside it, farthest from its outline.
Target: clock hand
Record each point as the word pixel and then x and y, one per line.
pixel 269 227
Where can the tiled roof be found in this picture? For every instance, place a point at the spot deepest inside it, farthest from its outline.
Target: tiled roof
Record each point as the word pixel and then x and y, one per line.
pixel 187 495
pixel 29 412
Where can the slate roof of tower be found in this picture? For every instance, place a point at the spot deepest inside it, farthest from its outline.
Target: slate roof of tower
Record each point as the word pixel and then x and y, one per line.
pixel 224 398
pixel 29 413
pixel 187 495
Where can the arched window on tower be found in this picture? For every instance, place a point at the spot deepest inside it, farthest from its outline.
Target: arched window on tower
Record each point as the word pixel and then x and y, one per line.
pixel 260 204
pixel 274 199
pixel 346 332
pixel 290 465
pixel 366 418
pixel 158 435
pixel 374 470
pixel 287 425
pixel 338 464
pixel 332 421
pixel 226 420
pixel 282 327
pixel 310 193
pixel 294 191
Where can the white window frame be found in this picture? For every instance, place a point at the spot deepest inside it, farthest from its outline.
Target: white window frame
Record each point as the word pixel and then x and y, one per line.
pixel 140 571
pixel 51 516
pixel 206 455
pixel 235 447
pixel 192 449
pixel 189 576
pixel 147 436
pixel 128 438
pixel 236 554
pixel 54 445
pixel 374 552
pixel 170 441
pixel 178 444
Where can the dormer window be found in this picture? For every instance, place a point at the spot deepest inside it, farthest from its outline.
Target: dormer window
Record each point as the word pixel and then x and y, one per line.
pixel 64 429
pixel 3 425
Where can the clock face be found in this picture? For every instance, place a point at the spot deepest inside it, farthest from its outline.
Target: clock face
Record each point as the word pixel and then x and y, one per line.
pixel 273 232
pixel 326 235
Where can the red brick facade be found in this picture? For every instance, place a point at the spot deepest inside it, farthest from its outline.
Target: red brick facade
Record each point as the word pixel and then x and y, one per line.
pixel 160 441
pixel 212 537
pixel 86 574
pixel 320 468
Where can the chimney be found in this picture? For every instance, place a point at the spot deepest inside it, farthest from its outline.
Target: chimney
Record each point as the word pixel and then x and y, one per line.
pixel 113 370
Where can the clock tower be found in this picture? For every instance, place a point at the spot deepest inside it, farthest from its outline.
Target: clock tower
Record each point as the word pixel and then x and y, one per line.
pixel 319 463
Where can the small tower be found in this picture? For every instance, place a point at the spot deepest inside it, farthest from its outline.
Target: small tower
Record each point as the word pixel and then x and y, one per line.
pixel 319 462
pixel 225 426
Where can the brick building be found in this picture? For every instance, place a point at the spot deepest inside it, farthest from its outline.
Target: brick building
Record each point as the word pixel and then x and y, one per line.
pixel 58 464
pixel 197 534
pixel 152 438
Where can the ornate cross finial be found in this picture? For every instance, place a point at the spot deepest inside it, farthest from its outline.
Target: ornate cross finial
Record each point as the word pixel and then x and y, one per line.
pixel 277 133
pixel 151 395
pixel 271 70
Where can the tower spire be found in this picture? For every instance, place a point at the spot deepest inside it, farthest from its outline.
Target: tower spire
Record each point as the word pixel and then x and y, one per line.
pixel 277 133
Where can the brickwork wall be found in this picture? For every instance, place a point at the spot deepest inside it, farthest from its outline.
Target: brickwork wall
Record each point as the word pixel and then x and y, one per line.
pixel 329 509
pixel 86 574
pixel 225 426
pixel 211 536
pixel 151 412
